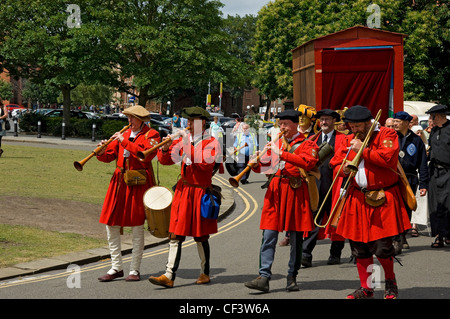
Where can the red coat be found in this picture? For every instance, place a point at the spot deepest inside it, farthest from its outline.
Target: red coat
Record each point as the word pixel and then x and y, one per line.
pixel 185 214
pixel 123 205
pixel 360 221
pixel 285 208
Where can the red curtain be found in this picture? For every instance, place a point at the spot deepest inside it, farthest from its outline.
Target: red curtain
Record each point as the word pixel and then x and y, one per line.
pixel 357 76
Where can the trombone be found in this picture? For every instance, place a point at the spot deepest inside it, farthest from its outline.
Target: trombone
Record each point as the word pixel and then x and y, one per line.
pixel 353 167
pixel 79 165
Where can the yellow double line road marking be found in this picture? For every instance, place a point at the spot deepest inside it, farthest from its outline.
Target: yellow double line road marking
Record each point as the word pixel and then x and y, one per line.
pixel 243 217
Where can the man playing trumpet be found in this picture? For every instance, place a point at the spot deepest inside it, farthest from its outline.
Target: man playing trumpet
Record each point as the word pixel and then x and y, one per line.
pixel 374 211
pixel 198 153
pixel 286 203
pixel 123 205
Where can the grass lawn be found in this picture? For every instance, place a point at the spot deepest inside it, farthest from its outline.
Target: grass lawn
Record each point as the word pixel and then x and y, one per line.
pixel 38 172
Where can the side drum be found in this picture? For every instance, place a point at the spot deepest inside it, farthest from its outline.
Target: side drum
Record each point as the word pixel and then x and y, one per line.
pixel 158 202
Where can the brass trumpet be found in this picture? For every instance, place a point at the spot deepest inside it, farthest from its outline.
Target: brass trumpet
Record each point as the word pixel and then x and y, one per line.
pixel 353 167
pixel 79 165
pixel 234 181
pixel 143 154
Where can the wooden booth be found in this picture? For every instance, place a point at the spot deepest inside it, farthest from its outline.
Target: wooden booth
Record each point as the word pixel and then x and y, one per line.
pixel 354 66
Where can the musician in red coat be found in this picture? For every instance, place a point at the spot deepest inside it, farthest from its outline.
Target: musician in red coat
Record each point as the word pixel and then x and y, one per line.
pixel 199 154
pixel 123 205
pixel 286 203
pixel 370 229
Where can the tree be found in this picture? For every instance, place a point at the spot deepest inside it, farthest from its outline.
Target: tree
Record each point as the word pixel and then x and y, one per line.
pixel 6 92
pixel 40 43
pixel 285 24
pixel 164 45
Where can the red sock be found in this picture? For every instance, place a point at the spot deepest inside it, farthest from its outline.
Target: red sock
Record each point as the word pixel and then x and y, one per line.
pixel 362 265
pixel 388 267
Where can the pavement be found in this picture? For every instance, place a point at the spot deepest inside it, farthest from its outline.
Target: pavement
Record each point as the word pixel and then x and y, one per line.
pixel 91 255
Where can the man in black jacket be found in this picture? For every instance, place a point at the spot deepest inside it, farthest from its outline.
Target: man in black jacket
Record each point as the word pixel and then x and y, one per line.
pixel 413 158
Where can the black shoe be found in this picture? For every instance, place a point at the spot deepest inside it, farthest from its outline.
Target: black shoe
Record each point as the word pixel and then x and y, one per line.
pixel 244 182
pixel 260 283
pixel 1 152
pixel 306 262
pixel 333 260
pixel 291 284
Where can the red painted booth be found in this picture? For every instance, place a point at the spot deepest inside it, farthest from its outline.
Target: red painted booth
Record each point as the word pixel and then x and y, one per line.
pixel 358 65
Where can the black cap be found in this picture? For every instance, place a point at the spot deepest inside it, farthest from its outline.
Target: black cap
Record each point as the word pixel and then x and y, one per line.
pixel 404 116
pixel 292 115
pixel 439 108
pixel 357 114
pixel 328 112
pixel 195 112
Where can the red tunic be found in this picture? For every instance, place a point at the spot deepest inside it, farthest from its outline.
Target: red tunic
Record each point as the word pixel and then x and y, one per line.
pixel 197 164
pixel 285 208
pixel 360 221
pixel 123 205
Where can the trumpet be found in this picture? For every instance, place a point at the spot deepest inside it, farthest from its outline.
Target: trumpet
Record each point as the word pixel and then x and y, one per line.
pixel 353 167
pixel 143 154
pixel 234 181
pixel 79 165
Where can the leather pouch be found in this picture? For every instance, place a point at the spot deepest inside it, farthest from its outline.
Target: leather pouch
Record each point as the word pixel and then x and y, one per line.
pixel 375 198
pixel 135 177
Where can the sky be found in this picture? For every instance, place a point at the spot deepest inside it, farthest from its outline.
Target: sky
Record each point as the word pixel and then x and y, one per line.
pixel 242 7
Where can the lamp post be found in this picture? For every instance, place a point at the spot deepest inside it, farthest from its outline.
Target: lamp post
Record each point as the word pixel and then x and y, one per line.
pixel 168 107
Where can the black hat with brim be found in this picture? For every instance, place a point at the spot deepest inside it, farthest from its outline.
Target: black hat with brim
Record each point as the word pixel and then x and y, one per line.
pixel 195 112
pixel 357 114
pixel 439 108
pixel 292 115
pixel 328 112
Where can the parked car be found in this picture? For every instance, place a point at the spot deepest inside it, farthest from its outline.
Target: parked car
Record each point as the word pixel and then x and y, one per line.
pixel 11 107
pixel 116 116
pixel 73 113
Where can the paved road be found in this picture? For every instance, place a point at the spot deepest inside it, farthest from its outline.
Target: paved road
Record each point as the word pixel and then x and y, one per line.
pixel 234 260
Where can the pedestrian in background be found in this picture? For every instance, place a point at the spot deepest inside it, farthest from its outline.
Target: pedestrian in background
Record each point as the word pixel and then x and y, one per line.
pixel 3 119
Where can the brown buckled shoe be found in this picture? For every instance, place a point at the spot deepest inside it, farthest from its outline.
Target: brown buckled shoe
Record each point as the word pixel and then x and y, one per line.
pixel 361 293
pixel 109 277
pixel 161 281
pixel 203 279
pixel 133 277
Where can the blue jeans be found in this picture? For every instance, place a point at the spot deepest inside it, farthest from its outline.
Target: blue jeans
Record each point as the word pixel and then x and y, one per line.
pixel 267 252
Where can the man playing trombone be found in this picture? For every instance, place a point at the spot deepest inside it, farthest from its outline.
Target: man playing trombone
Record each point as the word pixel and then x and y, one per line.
pixel 373 211
pixel 123 205
pixel 286 203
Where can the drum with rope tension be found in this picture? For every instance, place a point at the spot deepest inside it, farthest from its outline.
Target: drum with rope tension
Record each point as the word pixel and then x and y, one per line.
pixel 158 202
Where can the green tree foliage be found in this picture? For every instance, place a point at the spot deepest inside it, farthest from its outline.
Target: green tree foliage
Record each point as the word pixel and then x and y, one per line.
pixel 285 24
pixel 6 92
pixel 39 44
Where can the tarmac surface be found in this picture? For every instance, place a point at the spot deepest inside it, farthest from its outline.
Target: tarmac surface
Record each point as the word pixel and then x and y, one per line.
pixel 91 255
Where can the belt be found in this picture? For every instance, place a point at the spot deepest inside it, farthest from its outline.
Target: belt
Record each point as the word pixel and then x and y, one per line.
pixel 365 190
pixel 193 185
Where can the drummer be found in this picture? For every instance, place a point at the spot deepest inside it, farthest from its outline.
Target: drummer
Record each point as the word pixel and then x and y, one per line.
pixel 123 205
pixel 198 153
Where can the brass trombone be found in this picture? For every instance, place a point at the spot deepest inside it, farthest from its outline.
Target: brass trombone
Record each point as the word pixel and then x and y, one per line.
pixel 353 167
pixel 79 165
